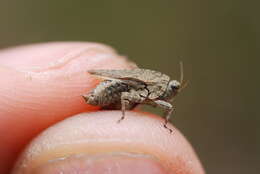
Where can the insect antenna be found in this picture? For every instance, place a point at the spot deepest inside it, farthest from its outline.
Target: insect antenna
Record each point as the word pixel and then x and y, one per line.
pixel 181 72
pixel 183 82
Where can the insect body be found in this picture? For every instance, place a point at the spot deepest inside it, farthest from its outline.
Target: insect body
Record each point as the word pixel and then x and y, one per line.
pixel 124 89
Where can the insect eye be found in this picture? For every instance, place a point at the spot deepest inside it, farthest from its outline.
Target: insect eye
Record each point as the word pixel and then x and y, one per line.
pixel 175 87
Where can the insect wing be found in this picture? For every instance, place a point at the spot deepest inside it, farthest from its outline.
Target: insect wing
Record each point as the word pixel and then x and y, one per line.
pixel 144 75
pixel 156 82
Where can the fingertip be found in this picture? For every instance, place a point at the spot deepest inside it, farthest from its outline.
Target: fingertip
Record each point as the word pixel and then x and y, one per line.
pixel 97 135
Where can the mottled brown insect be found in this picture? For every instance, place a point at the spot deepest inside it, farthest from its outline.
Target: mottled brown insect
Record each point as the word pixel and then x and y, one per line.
pixel 124 89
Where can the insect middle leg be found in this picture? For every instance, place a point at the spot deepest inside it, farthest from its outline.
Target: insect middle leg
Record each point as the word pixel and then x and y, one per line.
pixel 168 111
pixel 128 99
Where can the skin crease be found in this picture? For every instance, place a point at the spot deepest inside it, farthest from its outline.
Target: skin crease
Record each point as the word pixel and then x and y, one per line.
pixel 42 84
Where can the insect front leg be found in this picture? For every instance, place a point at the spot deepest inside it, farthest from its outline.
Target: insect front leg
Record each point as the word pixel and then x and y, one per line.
pixel 168 108
pixel 129 98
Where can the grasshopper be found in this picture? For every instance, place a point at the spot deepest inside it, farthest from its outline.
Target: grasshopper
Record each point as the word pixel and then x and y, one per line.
pixel 125 89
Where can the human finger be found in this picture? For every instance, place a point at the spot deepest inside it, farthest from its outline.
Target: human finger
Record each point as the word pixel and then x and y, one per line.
pixel 42 84
pixel 96 143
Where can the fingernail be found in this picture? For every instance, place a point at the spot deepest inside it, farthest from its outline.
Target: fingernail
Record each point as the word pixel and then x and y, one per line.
pixel 103 164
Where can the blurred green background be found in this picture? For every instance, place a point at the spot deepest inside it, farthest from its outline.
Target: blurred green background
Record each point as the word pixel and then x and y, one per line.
pixel 218 41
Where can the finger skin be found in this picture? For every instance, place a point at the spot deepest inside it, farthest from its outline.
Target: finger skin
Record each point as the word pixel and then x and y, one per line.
pixel 99 133
pixel 42 84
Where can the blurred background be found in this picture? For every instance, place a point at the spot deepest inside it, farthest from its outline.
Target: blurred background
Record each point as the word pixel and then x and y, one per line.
pixel 218 41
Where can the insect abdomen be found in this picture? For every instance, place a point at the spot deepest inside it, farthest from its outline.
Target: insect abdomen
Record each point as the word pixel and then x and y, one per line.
pixel 106 93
